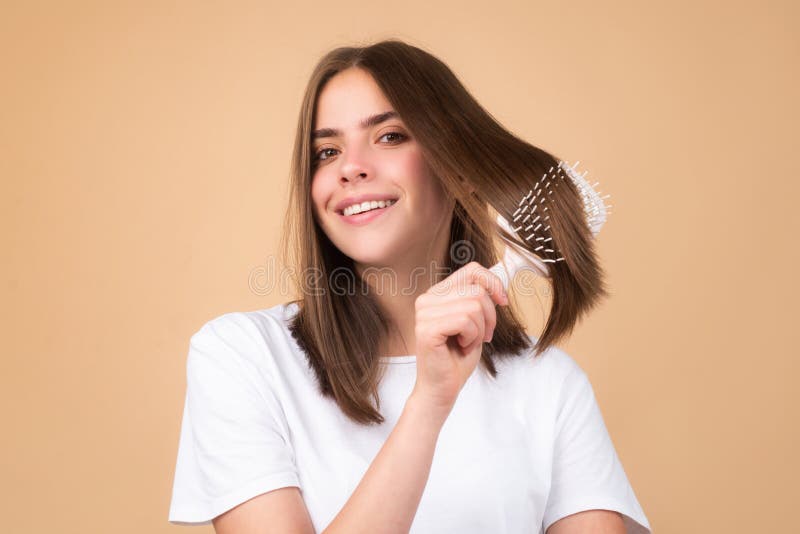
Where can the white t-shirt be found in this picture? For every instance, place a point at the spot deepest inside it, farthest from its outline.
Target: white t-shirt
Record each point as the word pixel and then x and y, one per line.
pixel 516 453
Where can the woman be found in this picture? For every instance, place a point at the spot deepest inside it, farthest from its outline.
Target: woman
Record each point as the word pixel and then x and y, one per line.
pixel 361 407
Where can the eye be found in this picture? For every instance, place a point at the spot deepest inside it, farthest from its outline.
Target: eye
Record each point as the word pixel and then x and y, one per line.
pixel 398 134
pixel 320 152
pixel 318 156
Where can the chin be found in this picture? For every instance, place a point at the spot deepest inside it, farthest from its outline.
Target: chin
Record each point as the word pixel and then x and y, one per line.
pixel 370 250
pixel 372 261
pixel 376 259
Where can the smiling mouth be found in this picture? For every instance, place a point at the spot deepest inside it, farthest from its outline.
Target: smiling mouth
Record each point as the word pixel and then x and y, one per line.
pixel 375 205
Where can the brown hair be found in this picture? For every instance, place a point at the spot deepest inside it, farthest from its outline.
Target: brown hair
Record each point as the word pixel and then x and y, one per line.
pixel 481 165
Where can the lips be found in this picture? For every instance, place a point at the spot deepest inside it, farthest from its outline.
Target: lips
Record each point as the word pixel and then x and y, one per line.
pixel 367 197
pixel 366 217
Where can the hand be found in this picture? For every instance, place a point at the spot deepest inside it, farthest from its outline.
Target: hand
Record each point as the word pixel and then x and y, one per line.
pixel 453 320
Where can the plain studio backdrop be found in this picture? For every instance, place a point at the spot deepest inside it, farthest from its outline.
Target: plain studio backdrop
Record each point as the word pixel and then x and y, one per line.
pixel 144 155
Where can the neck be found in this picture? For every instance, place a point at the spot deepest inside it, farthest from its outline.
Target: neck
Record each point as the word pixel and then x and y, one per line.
pixel 396 288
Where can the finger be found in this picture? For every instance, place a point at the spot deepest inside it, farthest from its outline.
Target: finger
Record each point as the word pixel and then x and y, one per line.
pixel 453 303
pixel 479 315
pixel 464 326
pixel 469 338
pixel 478 274
pixel 472 273
pixel 453 293
pixel 489 317
pixel 471 308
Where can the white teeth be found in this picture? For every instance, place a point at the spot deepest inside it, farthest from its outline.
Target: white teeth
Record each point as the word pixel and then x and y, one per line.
pixel 366 206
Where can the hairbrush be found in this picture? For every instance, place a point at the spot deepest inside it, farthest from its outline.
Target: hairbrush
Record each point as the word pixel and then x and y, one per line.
pixel 532 224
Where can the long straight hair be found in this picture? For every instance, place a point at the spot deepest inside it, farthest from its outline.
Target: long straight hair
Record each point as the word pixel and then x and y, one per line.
pixel 480 166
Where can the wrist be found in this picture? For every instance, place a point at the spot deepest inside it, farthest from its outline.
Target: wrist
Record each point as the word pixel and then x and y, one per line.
pixel 427 411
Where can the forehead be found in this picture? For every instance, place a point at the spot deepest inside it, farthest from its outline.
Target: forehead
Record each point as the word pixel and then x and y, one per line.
pixel 348 97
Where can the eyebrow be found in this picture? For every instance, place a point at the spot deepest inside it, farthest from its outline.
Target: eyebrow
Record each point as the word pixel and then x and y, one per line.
pixel 368 122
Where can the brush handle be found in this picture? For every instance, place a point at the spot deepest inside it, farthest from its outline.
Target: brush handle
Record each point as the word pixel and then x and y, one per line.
pixel 595 211
pixel 513 261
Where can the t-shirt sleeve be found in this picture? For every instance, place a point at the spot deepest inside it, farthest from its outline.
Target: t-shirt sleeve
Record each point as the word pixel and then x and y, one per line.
pixel 587 473
pixel 233 443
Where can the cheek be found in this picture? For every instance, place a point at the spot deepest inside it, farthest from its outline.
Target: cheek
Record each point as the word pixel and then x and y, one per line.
pixel 318 201
pixel 416 168
pixel 411 168
pixel 420 177
pixel 319 194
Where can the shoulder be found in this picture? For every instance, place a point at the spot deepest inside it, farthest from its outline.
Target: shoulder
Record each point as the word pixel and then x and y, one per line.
pixel 554 365
pixel 546 382
pixel 237 320
pixel 243 335
pixel 242 325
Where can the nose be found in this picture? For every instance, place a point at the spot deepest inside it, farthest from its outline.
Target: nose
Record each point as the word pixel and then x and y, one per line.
pixel 349 177
pixel 354 166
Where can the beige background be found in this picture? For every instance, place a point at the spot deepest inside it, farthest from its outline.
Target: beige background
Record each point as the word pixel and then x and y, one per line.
pixel 144 149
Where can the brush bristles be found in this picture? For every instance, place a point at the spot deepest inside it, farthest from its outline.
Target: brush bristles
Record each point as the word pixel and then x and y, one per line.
pixel 594 207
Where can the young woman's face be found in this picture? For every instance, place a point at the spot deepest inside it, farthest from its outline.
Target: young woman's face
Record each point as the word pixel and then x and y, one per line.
pixel 356 157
